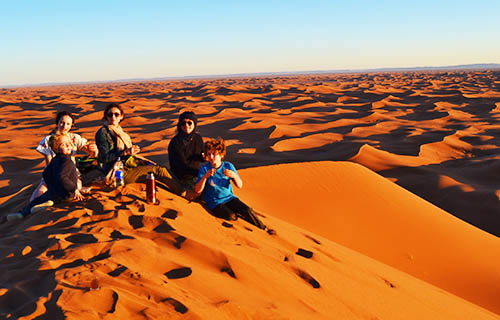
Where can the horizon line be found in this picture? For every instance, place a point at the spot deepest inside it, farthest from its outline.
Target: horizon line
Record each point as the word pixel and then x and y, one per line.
pixel 475 66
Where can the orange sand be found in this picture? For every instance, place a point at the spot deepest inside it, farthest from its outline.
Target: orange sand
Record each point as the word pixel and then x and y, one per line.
pixel 380 250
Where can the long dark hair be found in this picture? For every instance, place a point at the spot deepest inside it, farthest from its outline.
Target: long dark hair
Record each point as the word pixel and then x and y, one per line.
pixel 61 114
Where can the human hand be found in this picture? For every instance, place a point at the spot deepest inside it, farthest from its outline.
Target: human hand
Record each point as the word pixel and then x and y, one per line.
pixel 78 196
pixel 230 173
pixel 135 149
pixel 92 150
pixel 210 173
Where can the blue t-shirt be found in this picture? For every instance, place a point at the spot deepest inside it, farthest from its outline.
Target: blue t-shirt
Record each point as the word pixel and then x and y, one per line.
pixel 218 189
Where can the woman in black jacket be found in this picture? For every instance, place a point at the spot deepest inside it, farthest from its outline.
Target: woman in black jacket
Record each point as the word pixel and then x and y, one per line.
pixel 185 150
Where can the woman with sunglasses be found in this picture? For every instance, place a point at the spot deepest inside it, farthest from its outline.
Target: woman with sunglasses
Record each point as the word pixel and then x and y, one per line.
pixel 113 143
pixel 185 150
pixel 64 122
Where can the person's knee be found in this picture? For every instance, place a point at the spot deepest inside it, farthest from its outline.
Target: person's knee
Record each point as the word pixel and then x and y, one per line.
pixel 160 171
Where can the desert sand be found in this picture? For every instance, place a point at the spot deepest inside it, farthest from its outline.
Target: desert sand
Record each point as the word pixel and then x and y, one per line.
pixel 383 189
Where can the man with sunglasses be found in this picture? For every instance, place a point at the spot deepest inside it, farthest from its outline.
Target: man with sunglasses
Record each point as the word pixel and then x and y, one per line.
pixel 185 150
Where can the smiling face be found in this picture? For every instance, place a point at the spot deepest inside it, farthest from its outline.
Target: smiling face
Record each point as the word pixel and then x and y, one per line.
pixel 214 157
pixel 65 145
pixel 64 124
pixel 114 116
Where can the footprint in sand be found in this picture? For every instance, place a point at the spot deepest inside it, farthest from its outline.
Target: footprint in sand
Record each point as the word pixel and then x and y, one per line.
pixel 81 238
pixel 179 240
pixel 136 221
pixel 170 214
pixel 308 278
pixel 227 269
pixel 390 284
pixel 312 239
pixel 179 307
pixel 163 227
pixel 117 235
pixel 179 273
pixel 304 253
pixel 118 271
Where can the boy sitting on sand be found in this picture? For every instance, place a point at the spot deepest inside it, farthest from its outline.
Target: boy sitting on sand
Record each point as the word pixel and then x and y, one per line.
pixel 60 176
pixel 214 180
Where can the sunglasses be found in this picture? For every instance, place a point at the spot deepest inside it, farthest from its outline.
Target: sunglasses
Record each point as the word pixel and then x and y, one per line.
pixel 189 123
pixel 111 114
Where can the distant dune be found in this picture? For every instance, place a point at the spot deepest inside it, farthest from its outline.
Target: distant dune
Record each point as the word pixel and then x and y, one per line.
pixel 383 189
pixel 468 67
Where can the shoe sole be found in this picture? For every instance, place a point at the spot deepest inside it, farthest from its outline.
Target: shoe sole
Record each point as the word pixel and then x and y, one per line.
pixel 42 206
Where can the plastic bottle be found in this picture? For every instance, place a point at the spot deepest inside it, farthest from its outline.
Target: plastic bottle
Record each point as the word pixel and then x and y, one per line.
pixel 119 181
pixel 150 188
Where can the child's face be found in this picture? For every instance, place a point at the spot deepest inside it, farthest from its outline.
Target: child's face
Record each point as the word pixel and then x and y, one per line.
pixel 66 147
pixel 64 124
pixel 214 158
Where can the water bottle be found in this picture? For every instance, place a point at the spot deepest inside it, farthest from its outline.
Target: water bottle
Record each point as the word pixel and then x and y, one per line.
pixel 150 188
pixel 119 181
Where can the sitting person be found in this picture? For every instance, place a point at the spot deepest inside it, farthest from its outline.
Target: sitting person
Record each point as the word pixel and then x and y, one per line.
pixel 64 123
pixel 60 176
pixel 185 150
pixel 214 180
pixel 113 143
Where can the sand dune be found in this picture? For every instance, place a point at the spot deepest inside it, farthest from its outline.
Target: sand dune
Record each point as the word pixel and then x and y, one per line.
pixel 355 207
pixel 119 257
pixel 380 250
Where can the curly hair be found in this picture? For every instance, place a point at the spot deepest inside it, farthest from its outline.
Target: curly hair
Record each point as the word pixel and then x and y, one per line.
pixel 217 145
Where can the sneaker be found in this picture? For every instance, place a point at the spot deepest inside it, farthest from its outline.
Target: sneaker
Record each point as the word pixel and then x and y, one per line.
pixel 42 206
pixel 14 216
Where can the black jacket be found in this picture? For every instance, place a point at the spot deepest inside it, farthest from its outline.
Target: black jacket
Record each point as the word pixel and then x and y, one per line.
pixel 185 156
pixel 61 177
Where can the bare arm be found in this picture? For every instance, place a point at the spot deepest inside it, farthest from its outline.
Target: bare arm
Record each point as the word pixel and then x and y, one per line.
pixel 235 177
pixel 48 158
pixel 200 185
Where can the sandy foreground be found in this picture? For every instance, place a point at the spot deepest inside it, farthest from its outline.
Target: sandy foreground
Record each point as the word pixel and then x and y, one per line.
pixel 383 188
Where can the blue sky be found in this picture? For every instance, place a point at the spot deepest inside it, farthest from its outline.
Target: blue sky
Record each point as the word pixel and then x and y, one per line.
pixel 67 41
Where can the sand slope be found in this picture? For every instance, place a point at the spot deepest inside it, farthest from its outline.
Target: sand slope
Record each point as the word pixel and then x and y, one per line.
pixel 359 209
pixel 117 257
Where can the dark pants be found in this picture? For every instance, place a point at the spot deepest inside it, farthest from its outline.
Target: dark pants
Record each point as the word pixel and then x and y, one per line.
pixel 41 199
pixel 237 208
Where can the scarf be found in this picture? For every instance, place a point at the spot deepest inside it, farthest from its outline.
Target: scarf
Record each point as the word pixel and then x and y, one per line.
pixel 123 140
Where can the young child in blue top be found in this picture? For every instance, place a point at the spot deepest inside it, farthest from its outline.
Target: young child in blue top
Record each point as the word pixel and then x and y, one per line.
pixel 215 180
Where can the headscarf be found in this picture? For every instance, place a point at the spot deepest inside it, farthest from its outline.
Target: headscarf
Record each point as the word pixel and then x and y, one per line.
pixel 186 138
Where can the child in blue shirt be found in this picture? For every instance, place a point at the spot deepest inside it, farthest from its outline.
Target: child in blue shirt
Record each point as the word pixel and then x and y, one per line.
pixel 214 180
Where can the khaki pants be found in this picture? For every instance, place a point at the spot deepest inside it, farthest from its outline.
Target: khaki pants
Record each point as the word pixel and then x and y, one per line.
pixel 138 174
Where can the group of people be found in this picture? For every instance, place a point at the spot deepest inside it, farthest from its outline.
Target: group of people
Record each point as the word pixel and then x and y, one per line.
pixel 197 168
